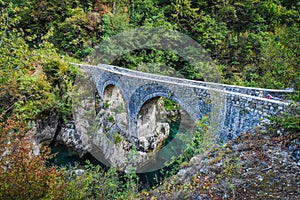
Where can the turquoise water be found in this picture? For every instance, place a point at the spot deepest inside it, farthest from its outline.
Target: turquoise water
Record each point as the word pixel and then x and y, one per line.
pixel 151 179
pixel 65 157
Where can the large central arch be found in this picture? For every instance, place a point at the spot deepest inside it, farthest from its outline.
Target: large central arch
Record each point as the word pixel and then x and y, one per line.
pixel 144 94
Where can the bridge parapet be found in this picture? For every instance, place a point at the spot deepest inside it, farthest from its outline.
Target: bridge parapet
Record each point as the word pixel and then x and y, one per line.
pixel 232 88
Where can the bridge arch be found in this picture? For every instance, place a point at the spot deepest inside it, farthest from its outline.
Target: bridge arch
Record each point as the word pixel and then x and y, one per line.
pixel 102 86
pixel 145 94
pixel 239 110
pixel 148 117
pixel 112 94
pixel 109 90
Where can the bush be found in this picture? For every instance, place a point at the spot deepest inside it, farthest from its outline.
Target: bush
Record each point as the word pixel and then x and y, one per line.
pixel 95 183
pixel 24 175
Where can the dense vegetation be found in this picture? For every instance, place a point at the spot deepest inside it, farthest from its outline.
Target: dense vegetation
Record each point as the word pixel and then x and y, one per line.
pixel 253 43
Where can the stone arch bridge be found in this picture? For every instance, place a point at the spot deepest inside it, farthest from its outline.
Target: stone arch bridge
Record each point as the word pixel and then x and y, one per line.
pixel 239 109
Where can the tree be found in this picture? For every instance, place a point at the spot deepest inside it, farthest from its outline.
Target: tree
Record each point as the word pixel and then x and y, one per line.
pixel 209 33
pixel 184 14
pixel 72 35
pixel 280 52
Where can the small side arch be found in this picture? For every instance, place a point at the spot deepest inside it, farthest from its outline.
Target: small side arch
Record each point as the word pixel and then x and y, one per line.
pixel 113 97
pixel 103 85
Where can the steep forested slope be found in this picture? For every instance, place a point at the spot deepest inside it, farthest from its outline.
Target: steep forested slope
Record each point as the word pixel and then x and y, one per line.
pixel 253 42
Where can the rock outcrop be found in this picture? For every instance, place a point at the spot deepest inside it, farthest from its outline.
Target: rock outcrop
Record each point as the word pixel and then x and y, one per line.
pixel 102 129
pixel 113 144
pixel 45 130
pixel 71 138
pixel 252 166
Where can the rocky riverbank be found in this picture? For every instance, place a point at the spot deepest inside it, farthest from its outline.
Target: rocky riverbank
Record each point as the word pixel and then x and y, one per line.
pixel 106 136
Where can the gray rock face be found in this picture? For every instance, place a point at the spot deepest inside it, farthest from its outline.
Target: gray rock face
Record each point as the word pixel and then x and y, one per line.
pixel 106 136
pixel 152 132
pixel 71 138
pixel 45 130
pixel 113 140
pixel 154 140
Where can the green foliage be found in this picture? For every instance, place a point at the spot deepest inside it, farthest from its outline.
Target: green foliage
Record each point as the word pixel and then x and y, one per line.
pixel 230 168
pixel 72 34
pixel 196 146
pixel 170 105
pixel 107 104
pixel 253 42
pixel 184 14
pixel 280 68
pixel 35 83
pixel 95 183
pixel 117 138
pixel 238 34
pixel 146 13
pixel 209 33
pixel 111 118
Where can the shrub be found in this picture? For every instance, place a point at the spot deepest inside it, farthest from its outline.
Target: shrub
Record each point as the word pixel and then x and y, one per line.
pixel 24 175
